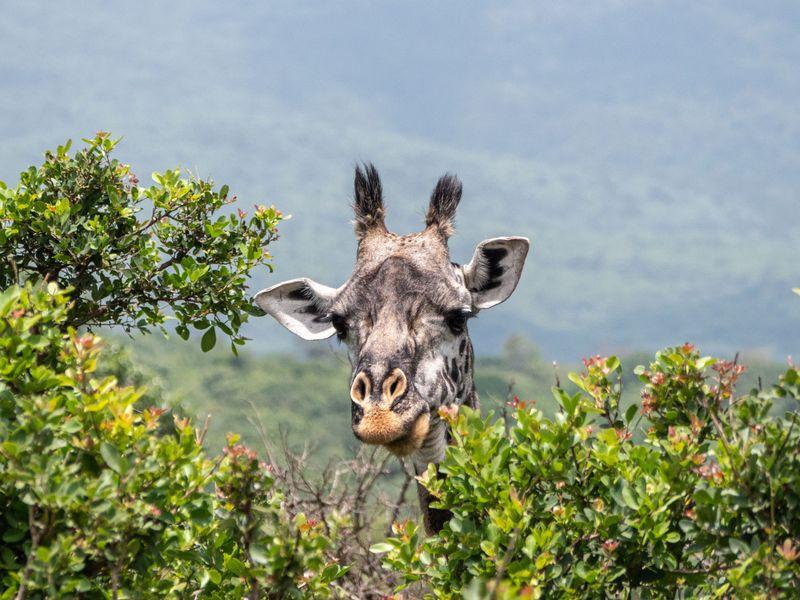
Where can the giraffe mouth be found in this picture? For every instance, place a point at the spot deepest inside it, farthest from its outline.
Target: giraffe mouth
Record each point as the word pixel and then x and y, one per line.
pixel 413 440
pixel 399 434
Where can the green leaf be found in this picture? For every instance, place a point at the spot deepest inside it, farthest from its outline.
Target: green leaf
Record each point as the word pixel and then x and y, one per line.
pixel 209 339
pixel 687 525
pixel 7 299
pixel 14 535
pixel 258 554
pixel 332 571
pixel 197 273
pixel 631 413
pixel 235 566
pixel 568 402
pixel 706 361
pixel 629 498
pixel 215 576
pixel 576 379
pixel 380 548
pixel 204 578
pixel 738 546
pixel 583 571
pixel 113 459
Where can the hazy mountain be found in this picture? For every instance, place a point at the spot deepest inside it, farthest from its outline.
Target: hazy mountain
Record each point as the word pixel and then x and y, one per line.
pixel 650 150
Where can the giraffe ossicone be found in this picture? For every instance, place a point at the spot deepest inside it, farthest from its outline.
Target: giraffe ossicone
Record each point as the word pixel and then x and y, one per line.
pixel 403 317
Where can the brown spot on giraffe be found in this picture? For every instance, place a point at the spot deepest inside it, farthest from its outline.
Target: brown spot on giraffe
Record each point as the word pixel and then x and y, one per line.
pixel 403 316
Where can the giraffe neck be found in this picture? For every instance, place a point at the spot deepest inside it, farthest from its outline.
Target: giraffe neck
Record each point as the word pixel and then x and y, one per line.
pixel 454 386
pixel 456 378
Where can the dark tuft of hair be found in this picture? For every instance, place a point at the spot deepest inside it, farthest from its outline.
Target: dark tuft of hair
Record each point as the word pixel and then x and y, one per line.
pixel 368 203
pixel 444 201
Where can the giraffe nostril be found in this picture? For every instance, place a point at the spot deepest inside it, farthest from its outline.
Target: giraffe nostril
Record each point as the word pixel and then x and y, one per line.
pixel 394 386
pixel 359 391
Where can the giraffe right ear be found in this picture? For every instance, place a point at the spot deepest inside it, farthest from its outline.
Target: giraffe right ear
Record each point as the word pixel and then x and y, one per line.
pixel 299 305
pixel 494 271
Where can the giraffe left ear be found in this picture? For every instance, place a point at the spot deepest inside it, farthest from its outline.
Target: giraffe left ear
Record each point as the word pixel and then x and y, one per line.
pixel 494 271
pixel 298 305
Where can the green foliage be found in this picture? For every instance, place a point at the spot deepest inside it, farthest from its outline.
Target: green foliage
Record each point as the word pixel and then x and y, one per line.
pixel 706 505
pixel 93 499
pixel 104 490
pixel 133 255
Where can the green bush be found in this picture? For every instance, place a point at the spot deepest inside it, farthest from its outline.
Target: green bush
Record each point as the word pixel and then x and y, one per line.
pixel 705 502
pixel 94 500
pixel 133 256
pixel 104 491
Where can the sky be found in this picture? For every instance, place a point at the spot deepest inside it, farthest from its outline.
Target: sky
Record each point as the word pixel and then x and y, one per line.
pixel 650 150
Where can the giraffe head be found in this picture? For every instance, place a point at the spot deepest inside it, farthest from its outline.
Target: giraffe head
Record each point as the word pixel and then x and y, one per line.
pixel 403 316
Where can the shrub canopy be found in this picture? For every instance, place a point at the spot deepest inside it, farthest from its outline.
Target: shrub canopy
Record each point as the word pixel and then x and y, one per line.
pixel 133 256
pixel 104 492
pixel 705 502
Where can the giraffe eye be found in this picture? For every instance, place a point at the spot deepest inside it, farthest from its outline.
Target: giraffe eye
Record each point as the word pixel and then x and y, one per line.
pixel 340 324
pixel 456 320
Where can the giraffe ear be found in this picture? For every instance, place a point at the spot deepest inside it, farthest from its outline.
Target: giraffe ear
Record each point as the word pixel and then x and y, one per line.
pixel 494 271
pixel 300 306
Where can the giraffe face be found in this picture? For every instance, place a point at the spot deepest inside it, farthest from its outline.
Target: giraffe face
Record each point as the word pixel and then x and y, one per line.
pixel 403 317
pixel 404 321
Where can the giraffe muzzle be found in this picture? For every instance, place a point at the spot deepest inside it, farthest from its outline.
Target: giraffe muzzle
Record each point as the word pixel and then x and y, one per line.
pixel 393 417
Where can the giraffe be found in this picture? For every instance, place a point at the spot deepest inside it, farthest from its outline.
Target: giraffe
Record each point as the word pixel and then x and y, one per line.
pixel 402 316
